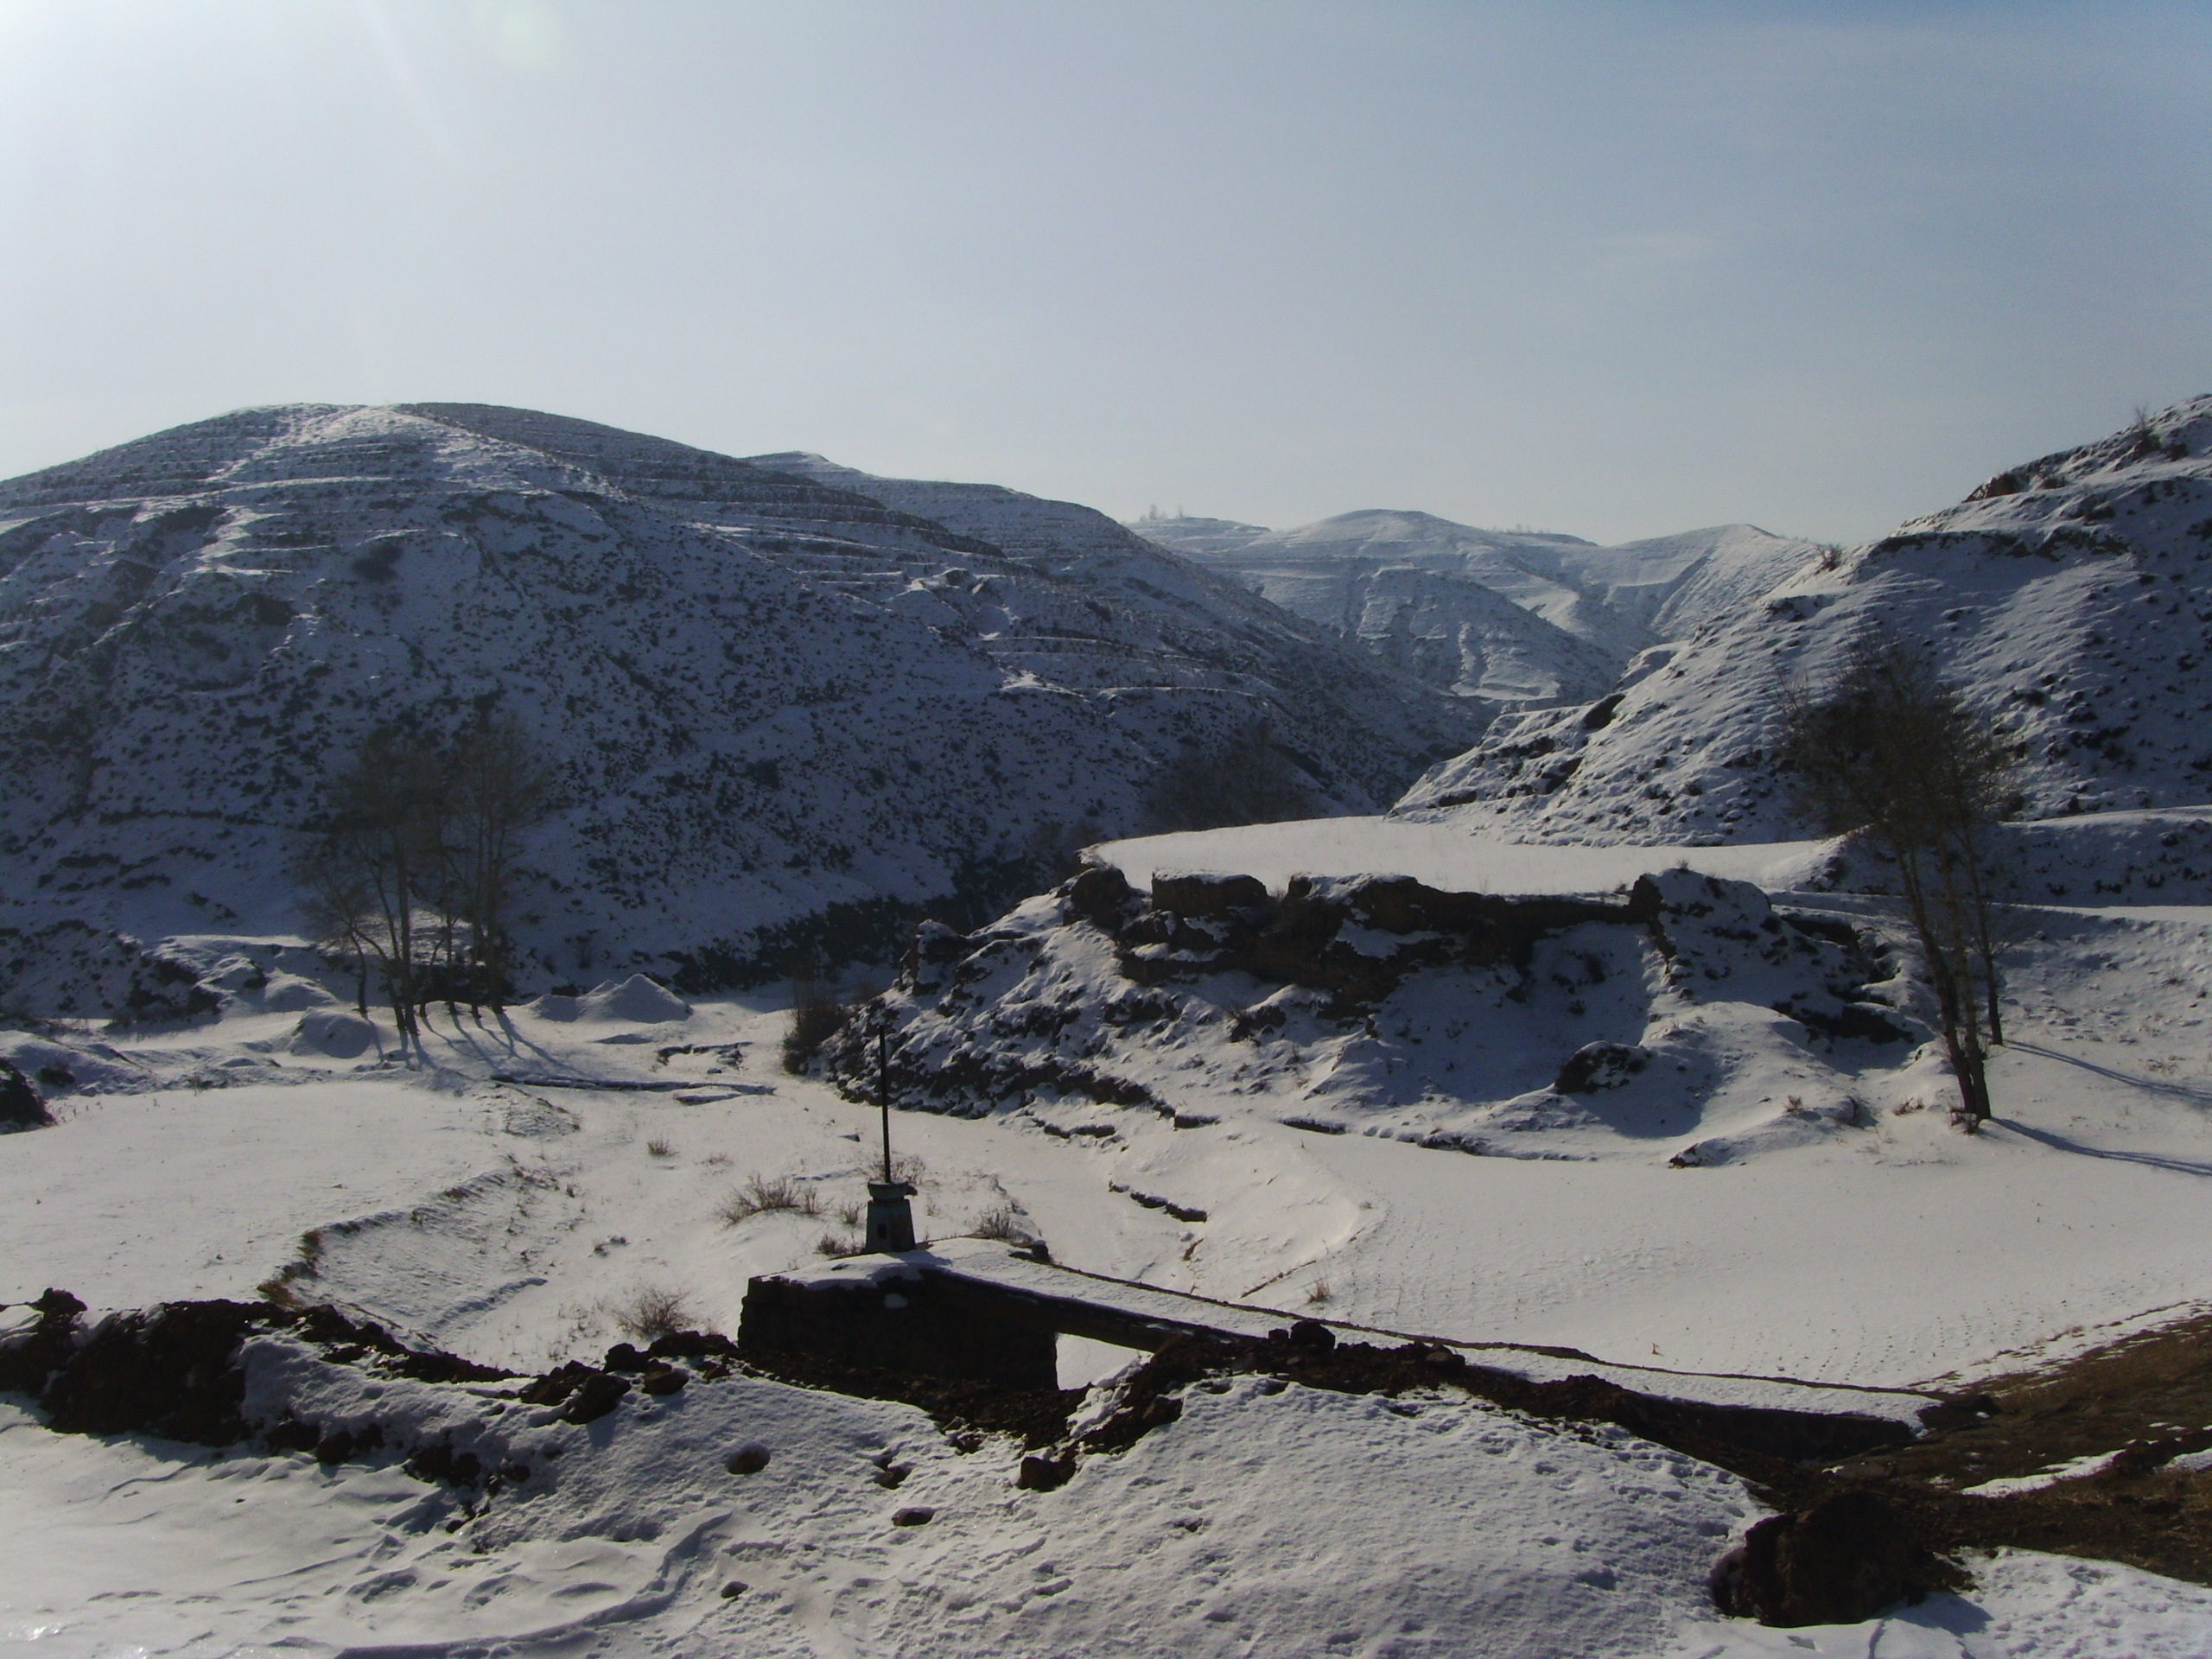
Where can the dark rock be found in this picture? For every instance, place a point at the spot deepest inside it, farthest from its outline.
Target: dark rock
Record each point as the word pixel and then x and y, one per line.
pixel 913 1515
pixel 596 1396
pixel 623 1357
pixel 21 1106
pixel 441 1463
pixel 692 1345
pixel 1842 1562
pixel 1597 1066
pixel 28 1362
pixel 1101 895
pixel 1311 1335
pixel 293 1435
pixel 341 1445
pixel 1200 895
pixel 556 1385
pixel 1246 1024
pixel 664 1379
pixel 735 1588
pixel 748 1459
pixel 935 1331
pixel 938 948
pixel 168 1371
pixel 433 1365
pixel 1041 1473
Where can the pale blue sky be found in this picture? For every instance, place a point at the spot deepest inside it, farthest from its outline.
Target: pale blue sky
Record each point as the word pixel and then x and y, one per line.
pixel 1613 268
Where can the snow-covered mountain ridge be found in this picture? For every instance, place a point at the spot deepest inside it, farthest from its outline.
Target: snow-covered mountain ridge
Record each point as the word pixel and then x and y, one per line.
pixel 781 710
pixel 1424 594
pixel 2069 597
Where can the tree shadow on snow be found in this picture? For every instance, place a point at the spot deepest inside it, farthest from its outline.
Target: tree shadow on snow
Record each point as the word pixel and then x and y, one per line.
pixel 492 1049
pixel 2060 1143
pixel 2195 1093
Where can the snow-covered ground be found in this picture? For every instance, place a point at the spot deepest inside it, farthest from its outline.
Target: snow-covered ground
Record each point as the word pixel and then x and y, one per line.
pixel 512 1223
pixel 1446 856
pixel 1712 1150
pixel 1271 1520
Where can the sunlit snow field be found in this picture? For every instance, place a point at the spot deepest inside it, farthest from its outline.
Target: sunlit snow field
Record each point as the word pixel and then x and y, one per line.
pixel 505 1220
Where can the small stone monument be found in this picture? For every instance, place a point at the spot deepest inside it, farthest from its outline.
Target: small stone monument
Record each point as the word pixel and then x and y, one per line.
pixel 890 1217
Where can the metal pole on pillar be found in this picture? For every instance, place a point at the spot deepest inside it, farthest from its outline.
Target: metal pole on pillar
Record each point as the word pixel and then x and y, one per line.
pixel 883 1087
pixel 890 1216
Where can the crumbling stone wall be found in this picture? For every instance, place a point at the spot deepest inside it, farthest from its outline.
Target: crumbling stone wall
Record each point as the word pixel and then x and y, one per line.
pixel 909 1325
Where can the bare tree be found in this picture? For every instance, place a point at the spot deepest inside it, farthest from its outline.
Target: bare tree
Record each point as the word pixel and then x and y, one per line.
pixel 381 826
pixel 1891 750
pixel 497 787
pixel 416 861
pixel 338 909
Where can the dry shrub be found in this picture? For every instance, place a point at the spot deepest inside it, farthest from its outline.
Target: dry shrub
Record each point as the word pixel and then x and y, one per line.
pixel 1000 1222
pixel 658 1147
pixel 1318 1293
pixel 653 1310
pixel 817 1016
pixel 837 1244
pixel 760 1195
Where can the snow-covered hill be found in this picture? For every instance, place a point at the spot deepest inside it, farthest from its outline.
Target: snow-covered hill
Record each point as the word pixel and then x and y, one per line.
pixel 1198 610
pixel 2069 598
pixel 1423 592
pixel 781 709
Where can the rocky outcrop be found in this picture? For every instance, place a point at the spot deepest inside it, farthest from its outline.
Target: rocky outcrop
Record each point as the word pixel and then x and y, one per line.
pixel 21 1106
pixel 1845 1560
pixel 174 1371
pixel 1067 995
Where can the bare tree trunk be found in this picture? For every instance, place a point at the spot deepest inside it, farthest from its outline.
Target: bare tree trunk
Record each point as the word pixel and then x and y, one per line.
pixel 501 788
pixel 1988 926
pixel 1955 999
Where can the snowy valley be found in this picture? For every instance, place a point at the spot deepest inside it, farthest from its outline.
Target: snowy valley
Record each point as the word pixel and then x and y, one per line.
pixel 1573 1108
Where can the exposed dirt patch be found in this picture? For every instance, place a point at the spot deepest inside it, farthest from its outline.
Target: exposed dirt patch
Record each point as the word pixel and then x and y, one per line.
pixel 1841 1562
pixel 2122 1413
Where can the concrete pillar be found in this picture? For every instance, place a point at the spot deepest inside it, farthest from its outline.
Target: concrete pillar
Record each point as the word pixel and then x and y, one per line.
pixel 890 1217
